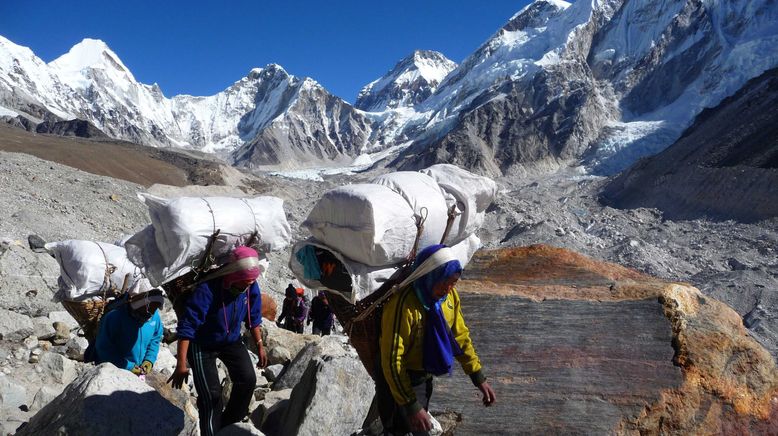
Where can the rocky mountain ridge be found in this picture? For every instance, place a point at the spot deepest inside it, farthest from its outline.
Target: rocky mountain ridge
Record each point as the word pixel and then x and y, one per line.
pixel 725 166
pixel 595 82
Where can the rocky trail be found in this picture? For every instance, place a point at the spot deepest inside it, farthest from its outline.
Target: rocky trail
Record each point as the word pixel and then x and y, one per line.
pixel 572 342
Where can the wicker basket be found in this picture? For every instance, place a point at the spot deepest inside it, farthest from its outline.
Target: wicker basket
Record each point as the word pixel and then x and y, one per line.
pixel 87 313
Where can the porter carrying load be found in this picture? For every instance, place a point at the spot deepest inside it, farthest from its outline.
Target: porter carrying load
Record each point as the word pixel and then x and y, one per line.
pixel 91 274
pixel 191 237
pixel 365 237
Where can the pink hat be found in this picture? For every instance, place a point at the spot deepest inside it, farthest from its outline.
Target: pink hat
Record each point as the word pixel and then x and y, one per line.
pixel 250 273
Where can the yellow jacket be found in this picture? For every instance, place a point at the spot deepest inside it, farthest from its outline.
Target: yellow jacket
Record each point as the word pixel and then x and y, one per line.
pixel 402 338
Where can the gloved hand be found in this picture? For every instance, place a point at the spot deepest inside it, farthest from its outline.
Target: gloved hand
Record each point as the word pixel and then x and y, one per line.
pixel 146 367
pixel 136 370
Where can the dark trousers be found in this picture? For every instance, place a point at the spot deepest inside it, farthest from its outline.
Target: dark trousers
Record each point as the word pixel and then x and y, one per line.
pixel 209 388
pixel 393 417
pixel 322 329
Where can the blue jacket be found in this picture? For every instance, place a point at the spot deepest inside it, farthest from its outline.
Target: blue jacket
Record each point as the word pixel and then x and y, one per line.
pixel 124 341
pixel 212 315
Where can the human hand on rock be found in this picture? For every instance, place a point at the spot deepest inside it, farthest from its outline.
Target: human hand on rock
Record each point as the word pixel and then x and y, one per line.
pixel 262 363
pixel 179 377
pixel 136 370
pixel 488 392
pixel 146 367
pixel 420 421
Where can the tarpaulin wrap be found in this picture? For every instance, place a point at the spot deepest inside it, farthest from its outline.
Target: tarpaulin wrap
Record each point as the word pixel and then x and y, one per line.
pixel 180 229
pixel 83 266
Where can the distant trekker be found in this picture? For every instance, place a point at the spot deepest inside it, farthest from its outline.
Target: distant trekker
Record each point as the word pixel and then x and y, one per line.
pixel 422 332
pixel 129 335
pixel 321 315
pixel 294 311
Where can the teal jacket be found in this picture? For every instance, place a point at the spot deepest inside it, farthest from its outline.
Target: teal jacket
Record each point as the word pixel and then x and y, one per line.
pixel 123 341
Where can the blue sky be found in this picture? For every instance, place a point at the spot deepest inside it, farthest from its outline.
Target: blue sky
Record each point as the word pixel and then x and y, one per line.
pixel 200 47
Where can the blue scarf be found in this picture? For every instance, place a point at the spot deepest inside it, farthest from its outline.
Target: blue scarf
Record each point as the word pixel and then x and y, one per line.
pixel 440 346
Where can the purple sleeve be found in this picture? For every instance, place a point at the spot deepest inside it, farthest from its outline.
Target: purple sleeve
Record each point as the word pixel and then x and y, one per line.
pixel 195 310
pixel 255 306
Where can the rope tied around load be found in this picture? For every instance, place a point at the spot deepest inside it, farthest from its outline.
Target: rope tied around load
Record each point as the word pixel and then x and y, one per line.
pixel 366 307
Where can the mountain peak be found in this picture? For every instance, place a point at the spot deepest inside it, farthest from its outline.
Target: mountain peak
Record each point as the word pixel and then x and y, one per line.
pixel 412 79
pixel 89 53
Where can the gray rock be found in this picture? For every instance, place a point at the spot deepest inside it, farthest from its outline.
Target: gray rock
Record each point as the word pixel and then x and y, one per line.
pixel 166 362
pixel 76 347
pixel 332 394
pixel 268 415
pixel 273 371
pixel 64 317
pixel 30 342
pixel 58 367
pixel 109 400
pixel 12 394
pixel 44 396
pixel 26 278
pixel 240 429
pixel 14 326
pixel 328 346
pixel 43 327
pixel 62 334
pixel 282 345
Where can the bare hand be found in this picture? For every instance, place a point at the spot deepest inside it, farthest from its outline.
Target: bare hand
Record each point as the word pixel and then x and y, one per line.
pixel 179 377
pixel 488 392
pixel 262 363
pixel 420 421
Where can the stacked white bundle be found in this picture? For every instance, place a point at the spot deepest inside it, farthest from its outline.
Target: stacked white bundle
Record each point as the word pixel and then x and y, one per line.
pixel 83 266
pixel 472 195
pixel 371 228
pixel 181 228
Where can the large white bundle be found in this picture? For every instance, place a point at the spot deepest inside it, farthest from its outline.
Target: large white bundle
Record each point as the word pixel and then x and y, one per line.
pixel 83 266
pixel 181 227
pixel 473 194
pixel 424 195
pixel 367 279
pixel 367 222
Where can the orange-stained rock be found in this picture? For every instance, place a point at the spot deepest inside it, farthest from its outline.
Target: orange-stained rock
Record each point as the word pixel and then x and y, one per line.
pixel 269 307
pixel 577 346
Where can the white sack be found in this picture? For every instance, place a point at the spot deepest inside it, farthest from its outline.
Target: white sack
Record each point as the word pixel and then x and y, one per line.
pixel 365 222
pixel 83 265
pixel 473 194
pixel 367 279
pixel 422 192
pixel 181 227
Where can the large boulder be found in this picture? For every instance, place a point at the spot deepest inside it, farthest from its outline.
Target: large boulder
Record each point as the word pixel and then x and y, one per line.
pixel 14 326
pixel 282 345
pixel 109 400
pixel 334 394
pixel 327 346
pixel 27 279
pixel 57 367
pixel 578 346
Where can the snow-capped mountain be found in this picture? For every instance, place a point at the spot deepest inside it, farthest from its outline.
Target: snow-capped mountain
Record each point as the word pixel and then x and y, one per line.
pixel 599 82
pixel 609 79
pixel 90 82
pixel 409 83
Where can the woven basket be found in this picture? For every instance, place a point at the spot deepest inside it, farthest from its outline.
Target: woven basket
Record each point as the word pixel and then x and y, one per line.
pixel 87 313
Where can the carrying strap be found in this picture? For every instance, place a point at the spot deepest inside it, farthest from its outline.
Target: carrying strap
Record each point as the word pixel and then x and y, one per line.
pixel 437 259
pixel 238 265
pixel 452 214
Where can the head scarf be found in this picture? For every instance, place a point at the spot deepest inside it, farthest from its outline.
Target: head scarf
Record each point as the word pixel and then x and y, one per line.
pixel 246 274
pixel 440 346
pixel 153 296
